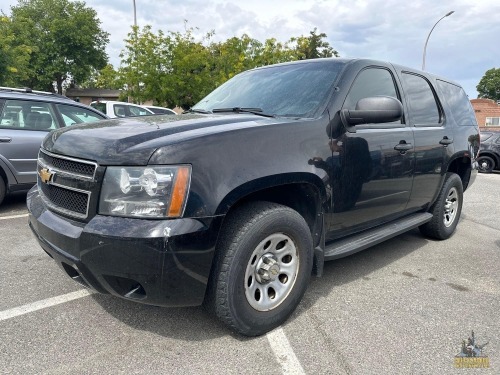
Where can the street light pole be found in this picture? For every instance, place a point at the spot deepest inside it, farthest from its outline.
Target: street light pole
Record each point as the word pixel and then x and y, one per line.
pixel 428 36
pixel 135 15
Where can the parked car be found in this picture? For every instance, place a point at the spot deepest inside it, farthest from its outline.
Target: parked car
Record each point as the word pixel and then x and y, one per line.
pixel 489 154
pixel 235 203
pixel 160 110
pixel 26 116
pixel 115 109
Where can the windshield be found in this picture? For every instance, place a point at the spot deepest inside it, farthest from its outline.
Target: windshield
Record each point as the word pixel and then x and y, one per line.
pixel 295 90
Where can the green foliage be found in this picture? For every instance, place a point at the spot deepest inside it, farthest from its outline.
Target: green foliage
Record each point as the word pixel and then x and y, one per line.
pixel 14 57
pixel 313 46
pixel 489 85
pixel 174 69
pixel 64 39
pixel 106 78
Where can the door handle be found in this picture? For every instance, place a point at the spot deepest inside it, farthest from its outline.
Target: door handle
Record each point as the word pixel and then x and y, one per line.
pixel 403 147
pixel 446 141
pixel 5 139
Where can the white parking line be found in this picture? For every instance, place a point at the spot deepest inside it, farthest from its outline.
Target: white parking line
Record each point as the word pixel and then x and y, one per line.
pixel 38 305
pixel 284 353
pixel 13 216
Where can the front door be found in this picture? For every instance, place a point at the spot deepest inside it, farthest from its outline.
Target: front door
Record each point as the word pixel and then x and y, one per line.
pixel 372 163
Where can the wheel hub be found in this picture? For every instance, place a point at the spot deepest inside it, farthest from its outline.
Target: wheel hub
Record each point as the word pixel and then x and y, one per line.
pixel 267 269
pixel 271 272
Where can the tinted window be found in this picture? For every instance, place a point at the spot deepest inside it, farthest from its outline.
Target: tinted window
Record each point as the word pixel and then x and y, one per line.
pixel 27 115
pixel 459 103
pixel 137 111
pixel 99 106
pixel 423 107
pixel 371 82
pixel 119 110
pixel 77 115
pixel 295 90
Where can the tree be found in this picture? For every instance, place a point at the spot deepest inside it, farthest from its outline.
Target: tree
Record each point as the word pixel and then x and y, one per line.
pixel 14 57
pixel 313 46
pixel 489 85
pixel 106 78
pixel 174 69
pixel 68 39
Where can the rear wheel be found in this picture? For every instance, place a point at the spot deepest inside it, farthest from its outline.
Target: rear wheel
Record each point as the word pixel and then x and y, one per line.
pixel 486 164
pixel 446 210
pixel 262 267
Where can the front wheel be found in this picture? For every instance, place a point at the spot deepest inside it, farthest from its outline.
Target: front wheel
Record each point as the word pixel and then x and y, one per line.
pixel 446 210
pixel 262 267
pixel 486 164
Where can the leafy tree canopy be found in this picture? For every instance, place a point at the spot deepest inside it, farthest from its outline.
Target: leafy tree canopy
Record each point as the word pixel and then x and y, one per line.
pixel 489 85
pixel 64 41
pixel 175 69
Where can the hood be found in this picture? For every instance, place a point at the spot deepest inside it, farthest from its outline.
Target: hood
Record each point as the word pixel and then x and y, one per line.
pixel 132 141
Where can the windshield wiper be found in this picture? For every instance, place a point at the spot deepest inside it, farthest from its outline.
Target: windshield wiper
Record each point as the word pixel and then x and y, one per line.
pixel 195 110
pixel 255 111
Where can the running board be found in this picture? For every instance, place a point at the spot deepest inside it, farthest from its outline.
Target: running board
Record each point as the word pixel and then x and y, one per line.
pixel 357 242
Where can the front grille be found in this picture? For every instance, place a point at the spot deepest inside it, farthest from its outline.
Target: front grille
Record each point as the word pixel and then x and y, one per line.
pixel 68 164
pixel 67 183
pixel 65 199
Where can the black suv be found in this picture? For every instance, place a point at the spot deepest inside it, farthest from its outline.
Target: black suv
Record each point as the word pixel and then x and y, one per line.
pixel 26 116
pixel 489 154
pixel 236 202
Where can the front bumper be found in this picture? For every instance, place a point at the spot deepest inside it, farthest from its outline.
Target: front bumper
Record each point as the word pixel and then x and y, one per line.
pixel 157 262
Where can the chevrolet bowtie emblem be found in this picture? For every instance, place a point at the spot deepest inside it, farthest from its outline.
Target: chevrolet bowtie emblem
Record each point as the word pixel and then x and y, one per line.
pixel 45 175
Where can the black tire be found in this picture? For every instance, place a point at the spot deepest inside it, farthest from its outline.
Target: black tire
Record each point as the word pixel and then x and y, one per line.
pixel 249 235
pixel 446 210
pixel 486 164
pixel 2 189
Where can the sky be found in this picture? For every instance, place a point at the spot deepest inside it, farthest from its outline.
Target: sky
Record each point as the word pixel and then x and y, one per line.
pixel 462 47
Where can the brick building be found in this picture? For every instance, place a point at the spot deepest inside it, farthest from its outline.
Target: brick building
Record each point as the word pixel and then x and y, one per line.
pixel 487 113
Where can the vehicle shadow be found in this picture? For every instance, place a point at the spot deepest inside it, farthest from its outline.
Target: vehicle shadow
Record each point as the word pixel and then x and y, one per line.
pixel 195 324
pixel 358 266
pixel 13 204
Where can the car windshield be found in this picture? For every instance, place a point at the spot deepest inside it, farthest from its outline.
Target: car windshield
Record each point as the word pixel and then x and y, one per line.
pixel 294 90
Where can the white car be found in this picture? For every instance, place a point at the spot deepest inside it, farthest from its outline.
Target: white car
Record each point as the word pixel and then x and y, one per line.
pixel 120 109
pixel 160 110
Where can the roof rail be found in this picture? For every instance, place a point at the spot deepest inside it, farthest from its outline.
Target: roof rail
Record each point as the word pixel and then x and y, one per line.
pixel 28 90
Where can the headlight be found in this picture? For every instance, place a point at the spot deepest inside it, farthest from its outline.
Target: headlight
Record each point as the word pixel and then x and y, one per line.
pixel 152 191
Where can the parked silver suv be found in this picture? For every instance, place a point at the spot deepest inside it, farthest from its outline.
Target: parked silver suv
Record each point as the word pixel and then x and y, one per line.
pixel 26 116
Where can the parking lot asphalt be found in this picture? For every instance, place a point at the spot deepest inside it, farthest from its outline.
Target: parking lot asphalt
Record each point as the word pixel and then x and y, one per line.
pixel 401 307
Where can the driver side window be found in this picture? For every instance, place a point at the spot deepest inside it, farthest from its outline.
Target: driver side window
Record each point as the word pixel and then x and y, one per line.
pixel 371 82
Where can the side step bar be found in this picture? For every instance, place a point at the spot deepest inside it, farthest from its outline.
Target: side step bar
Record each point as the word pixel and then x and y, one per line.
pixel 357 242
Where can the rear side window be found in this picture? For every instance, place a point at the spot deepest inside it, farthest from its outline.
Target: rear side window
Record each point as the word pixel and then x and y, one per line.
pixel 424 110
pixel 27 115
pixel 458 102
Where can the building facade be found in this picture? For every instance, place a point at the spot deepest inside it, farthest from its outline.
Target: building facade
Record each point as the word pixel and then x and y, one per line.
pixel 487 113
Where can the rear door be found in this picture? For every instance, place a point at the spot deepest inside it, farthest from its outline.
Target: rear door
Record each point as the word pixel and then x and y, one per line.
pixel 23 126
pixel 433 137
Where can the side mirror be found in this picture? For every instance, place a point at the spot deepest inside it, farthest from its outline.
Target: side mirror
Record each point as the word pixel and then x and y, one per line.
pixel 373 110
